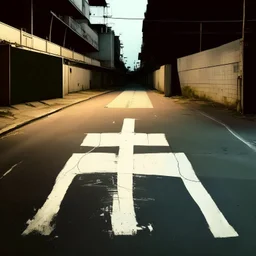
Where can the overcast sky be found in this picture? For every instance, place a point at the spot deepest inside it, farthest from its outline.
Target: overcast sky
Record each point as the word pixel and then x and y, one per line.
pixel 130 30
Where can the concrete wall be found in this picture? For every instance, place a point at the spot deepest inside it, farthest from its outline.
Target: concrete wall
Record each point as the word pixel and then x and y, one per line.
pixel 34 76
pixel 161 80
pixel 75 79
pixel 213 74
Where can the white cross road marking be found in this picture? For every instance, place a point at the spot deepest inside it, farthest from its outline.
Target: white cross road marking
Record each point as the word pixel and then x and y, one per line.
pixel 123 217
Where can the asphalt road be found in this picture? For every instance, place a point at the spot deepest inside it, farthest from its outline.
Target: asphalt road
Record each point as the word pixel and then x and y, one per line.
pixel 132 192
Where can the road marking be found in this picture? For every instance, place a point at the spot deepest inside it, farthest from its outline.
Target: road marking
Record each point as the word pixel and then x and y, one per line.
pixel 10 170
pixel 126 164
pixel 131 99
pixel 77 164
pixel 113 139
pixel 247 143
pixel 218 224
pixel 123 217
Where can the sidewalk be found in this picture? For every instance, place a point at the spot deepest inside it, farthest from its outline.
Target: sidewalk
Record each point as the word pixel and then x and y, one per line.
pixel 16 116
pixel 242 125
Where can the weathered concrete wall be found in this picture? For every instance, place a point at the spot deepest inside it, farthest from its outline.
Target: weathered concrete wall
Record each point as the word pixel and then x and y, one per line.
pixel 159 79
pixel 162 80
pixel 213 74
pixel 75 79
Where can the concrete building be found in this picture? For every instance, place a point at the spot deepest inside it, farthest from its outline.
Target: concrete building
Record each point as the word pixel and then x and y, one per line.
pixel 44 51
pixel 118 56
pixel 66 23
pixel 106 54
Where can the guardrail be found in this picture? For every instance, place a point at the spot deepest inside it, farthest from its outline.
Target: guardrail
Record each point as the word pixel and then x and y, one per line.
pixel 20 37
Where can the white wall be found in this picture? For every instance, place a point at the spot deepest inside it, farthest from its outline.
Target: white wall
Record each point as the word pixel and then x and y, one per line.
pixel 75 79
pixel 213 74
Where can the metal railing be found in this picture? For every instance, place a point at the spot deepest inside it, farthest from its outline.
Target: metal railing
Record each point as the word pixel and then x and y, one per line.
pixel 85 31
pixel 83 6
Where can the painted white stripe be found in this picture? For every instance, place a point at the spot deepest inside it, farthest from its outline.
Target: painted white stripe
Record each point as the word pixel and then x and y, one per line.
pixel 218 224
pixel 131 99
pixel 98 163
pixel 247 143
pixel 122 100
pixel 160 164
pixel 140 100
pixel 77 164
pixel 101 140
pixel 11 169
pixel 113 140
pixel 41 223
pixel 157 140
pixel 123 217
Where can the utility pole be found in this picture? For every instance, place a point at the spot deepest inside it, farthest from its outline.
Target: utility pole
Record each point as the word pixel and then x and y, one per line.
pixel 32 16
pixel 243 56
pixel 201 35
pixel 50 32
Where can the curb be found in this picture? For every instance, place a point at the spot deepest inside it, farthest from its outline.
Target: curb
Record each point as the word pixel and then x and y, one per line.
pixel 2 133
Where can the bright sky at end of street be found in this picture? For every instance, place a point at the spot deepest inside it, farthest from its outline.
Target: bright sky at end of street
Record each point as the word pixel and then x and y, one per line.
pixel 130 31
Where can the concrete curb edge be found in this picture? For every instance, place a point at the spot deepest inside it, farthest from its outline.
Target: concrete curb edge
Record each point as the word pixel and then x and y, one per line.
pixel 48 114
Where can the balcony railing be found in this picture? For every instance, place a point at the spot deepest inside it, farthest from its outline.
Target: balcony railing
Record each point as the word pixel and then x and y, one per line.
pixel 83 6
pixel 85 31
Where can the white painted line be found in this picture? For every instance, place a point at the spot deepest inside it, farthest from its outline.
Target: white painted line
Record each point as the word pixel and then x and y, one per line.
pixel 140 139
pixel 131 99
pixel 154 139
pixel 122 100
pixel 97 163
pixel 10 170
pixel 101 140
pixel 157 140
pixel 113 139
pixel 77 164
pixel 218 224
pixel 41 223
pixel 247 143
pixel 91 140
pixel 150 227
pixel 141 100
pixel 159 164
pixel 123 217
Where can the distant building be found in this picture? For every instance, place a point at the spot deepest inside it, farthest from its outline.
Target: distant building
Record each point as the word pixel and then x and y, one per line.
pixel 106 53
